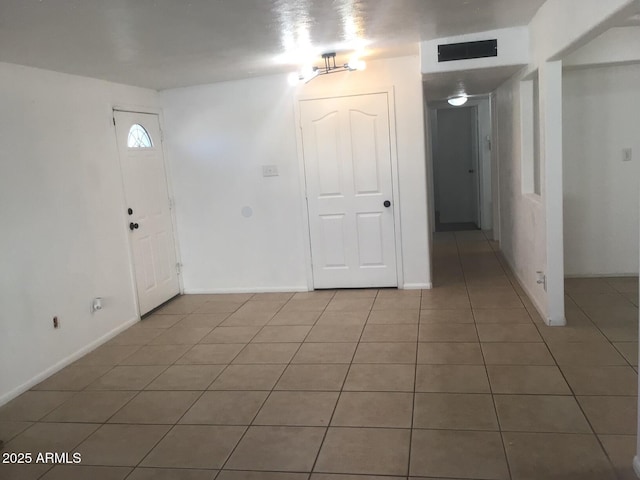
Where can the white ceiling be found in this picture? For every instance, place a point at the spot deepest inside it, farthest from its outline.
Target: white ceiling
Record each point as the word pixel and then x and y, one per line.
pixel 440 86
pixel 170 43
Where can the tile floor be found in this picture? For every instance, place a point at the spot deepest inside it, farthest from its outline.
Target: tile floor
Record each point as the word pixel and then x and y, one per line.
pixel 463 381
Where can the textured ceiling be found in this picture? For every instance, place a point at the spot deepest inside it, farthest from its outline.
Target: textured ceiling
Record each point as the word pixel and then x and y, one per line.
pixel 170 43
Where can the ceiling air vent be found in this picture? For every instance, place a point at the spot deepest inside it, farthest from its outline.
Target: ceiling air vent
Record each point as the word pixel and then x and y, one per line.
pixel 467 50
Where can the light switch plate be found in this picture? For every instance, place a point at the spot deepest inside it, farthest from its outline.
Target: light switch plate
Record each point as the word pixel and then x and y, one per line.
pixel 270 171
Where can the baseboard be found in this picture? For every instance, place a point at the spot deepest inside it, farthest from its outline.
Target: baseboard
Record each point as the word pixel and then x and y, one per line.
pixel 213 291
pixel 602 275
pixel 7 397
pixel 417 286
pixel 636 466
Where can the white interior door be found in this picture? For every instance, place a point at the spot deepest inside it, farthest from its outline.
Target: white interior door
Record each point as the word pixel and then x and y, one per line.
pixel 456 170
pixel 347 157
pixel 148 216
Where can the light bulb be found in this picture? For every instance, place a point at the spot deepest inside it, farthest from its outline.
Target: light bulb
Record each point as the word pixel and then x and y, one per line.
pixel 458 101
pixel 356 64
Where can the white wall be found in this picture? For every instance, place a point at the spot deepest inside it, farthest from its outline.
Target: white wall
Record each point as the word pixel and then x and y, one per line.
pixel 601 108
pixel 616 46
pixel 64 239
pixel 220 135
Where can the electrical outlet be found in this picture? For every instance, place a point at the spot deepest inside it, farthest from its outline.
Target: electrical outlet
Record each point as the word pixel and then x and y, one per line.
pixel 270 171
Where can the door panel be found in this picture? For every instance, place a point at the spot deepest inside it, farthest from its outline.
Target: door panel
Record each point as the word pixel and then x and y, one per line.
pixel 347 156
pixel 146 193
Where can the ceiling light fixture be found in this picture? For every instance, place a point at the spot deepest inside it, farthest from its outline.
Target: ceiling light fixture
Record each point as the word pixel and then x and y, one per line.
pixel 458 101
pixel 309 73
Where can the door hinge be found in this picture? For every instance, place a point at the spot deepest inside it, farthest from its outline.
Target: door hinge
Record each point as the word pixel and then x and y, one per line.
pixel 178 268
pixel 114 121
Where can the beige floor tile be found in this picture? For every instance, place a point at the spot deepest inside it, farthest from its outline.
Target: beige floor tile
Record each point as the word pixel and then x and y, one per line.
pixel 633 298
pixel 314 295
pixel 51 437
pixel 517 354
pixel 621 449
pixel 231 335
pixel 267 353
pixel 454 411
pixel 334 333
pixel 248 377
pixel 508 333
pixel 452 379
pixel 494 297
pixel 294 318
pixel 583 333
pixel 446 316
pixel 325 353
pixel 313 377
pixel 456 353
pixel 226 297
pixel 385 353
pixel 202 320
pixel 186 377
pixel 270 334
pixel 629 351
pixel 155 408
pixel 390 333
pixel 587 300
pixel 502 315
pixel 72 378
pixel 272 297
pixel 171 474
pixel 623 284
pixel 587 285
pixel 139 334
pixel 380 378
pixel 446 298
pixel 225 408
pixel 534 380
pixel 365 451
pixel 350 304
pixel 218 307
pixel 620 333
pixel 90 406
pixel 586 354
pixel 393 317
pixel 556 456
pixel 611 415
pixel 602 380
pixel 31 471
pixel 448 333
pixel 81 472
pixel 248 319
pixel 109 354
pixel 314 303
pixel 181 305
pixel 449 453
pixel 194 446
pixel 9 429
pixel 397 302
pixel 397 292
pixel 283 449
pixel 308 409
pixel 373 409
pixel 32 405
pixel 156 355
pixel 120 445
pixel 211 354
pixel 340 318
pixel 245 475
pixel 540 413
pixel 620 315
pixel 163 321
pixel 181 336
pixel 127 378
pixel 330 476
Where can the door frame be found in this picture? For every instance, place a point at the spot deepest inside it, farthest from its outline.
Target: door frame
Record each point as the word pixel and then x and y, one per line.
pixel 395 185
pixel 123 199
pixel 432 127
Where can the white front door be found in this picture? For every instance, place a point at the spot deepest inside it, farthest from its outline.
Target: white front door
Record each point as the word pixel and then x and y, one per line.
pixel 347 158
pixel 148 213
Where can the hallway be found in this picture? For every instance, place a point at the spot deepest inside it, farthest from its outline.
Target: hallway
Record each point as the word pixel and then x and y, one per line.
pixel 461 382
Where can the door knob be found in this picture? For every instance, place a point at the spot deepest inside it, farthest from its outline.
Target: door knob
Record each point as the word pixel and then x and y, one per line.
pixel 133 226
pixel 387 203
pixel 472 171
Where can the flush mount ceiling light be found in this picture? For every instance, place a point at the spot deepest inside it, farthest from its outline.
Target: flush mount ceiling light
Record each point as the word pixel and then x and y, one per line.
pixel 458 101
pixel 309 73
